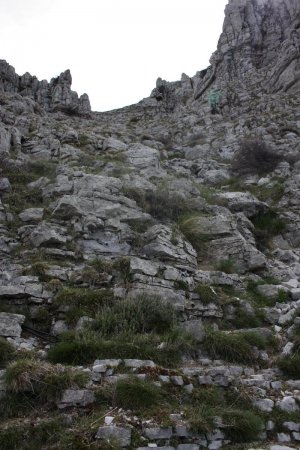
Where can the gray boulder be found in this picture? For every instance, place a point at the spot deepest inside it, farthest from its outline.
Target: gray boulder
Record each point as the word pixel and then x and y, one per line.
pixel 121 434
pixel 5 185
pixel 76 397
pixel 243 202
pixel 32 214
pixel 157 433
pixel 10 324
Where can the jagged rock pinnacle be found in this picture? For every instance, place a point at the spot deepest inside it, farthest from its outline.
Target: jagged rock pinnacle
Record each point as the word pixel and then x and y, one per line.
pixel 54 96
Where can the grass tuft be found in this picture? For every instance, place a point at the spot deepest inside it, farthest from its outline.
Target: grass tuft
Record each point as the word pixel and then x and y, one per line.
pixel 44 381
pixel 138 395
pixel 7 352
pixel 206 293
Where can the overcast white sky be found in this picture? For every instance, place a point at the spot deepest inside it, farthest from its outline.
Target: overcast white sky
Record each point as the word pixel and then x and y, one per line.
pixel 115 49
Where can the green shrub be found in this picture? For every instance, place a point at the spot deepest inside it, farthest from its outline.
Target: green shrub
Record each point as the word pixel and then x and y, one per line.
pixel 194 234
pixel 260 299
pixel 127 328
pixel 38 269
pixel 16 405
pixel 227 266
pixel 211 396
pixel 144 314
pixel 232 347
pixel 80 439
pixel 271 193
pixel 97 270
pixel 201 418
pixel 29 437
pixel 290 365
pixel 206 293
pixel 255 157
pixel 76 349
pixel 161 204
pixel 20 198
pixel 122 265
pixel 243 319
pixel 135 394
pixel 7 352
pixel 268 224
pixel 282 296
pixel 181 285
pixel 82 302
pixel 255 339
pixel 242 425
pixel 296 337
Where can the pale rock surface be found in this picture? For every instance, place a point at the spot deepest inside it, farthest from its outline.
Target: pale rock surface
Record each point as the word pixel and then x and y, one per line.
pixel 10 324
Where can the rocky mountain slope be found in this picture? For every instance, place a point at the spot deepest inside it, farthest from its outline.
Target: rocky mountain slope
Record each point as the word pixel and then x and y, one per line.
pixel 150 256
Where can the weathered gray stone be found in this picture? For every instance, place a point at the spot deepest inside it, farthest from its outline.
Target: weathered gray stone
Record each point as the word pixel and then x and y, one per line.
pixel 83 322
pixel 188 447
pixel 160 246
pixel 288 404
pixel 269 290
pixel 283 437
pixel 295 293
pixel 138 265
pixel 121 434
pixel 107 362
pixel 142 157
pixel 111 144
pixel 215 445
pixel 280 447
pixel 244 202
pixel 56 95
pixel 76 397
pixel 177 380
pixel 59 327
pixel 291 426
pixel 286 318
pixel 182 431
pixel 4 185
pixel 32 214
pixel 157 433
pixel 195 327
pixel 264 404
pixel 137 363
pixel 296 436
pixel 10 324
pixel 44 235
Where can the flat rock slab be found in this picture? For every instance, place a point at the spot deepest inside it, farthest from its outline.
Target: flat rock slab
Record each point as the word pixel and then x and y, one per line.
pixel 31 214
pixel 137 363
pixel 10 324
pixel 76 397
pixel 107 362
pixel 280 447
pixel 188 447
pixel 120 434
pixel 158 433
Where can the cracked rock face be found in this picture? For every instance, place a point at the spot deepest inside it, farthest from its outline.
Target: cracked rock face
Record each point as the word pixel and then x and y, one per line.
pixel 260 39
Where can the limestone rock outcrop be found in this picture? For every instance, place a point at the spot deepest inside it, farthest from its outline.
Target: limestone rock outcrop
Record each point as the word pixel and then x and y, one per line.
pixel 260 42
pixel 149 250
pixel 54 96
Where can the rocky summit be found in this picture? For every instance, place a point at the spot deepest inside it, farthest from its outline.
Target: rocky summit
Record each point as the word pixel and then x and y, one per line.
pixel 150 255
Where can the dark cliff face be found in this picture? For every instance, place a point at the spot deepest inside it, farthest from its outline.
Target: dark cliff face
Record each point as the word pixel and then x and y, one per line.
pixel 54 96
